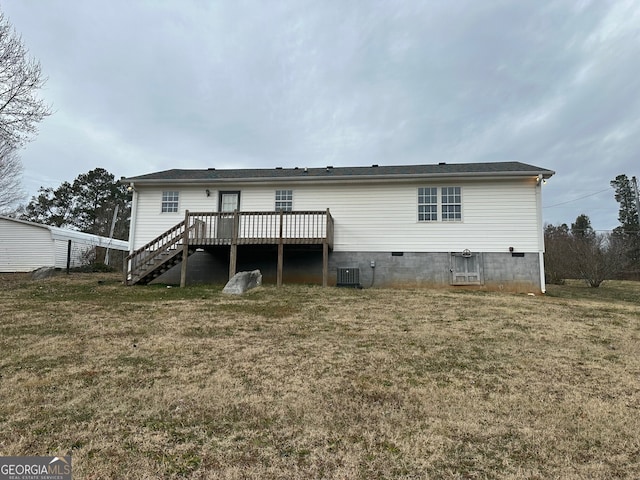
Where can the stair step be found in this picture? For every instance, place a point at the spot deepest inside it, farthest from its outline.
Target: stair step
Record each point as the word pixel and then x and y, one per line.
pixel 156 263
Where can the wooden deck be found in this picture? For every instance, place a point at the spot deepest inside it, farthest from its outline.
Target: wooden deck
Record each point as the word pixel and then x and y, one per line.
pixel 208 229
pixel 256 228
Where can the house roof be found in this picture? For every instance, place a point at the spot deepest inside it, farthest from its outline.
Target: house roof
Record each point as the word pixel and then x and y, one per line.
pixel 212 175
pixel 78 237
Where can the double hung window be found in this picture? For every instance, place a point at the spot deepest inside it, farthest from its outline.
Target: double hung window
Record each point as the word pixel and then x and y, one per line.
pixel 169 202
pixel 284 200
pixel 428 204
pixel 440 204
pixel 451 204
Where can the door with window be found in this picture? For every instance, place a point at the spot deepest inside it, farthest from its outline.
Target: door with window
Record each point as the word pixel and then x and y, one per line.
pixel 228 203
pixel 466 268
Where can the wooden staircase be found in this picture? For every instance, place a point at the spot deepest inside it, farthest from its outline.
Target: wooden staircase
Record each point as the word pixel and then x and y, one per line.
pixel 158 256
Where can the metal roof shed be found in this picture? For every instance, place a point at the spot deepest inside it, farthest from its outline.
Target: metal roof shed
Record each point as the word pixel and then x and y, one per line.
pixel 27 246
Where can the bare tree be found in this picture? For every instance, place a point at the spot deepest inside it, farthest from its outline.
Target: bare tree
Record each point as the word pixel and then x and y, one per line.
pixel 11 192
pixel 20 79
pixel 597 258
pixel 582 253
pixel 20 110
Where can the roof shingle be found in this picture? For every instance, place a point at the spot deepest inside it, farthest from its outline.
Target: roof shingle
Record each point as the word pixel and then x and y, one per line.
pixel 329 172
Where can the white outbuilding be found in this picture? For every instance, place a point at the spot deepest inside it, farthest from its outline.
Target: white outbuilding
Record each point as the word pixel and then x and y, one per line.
pixel 27 246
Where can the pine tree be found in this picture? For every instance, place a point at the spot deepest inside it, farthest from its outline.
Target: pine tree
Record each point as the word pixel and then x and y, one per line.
pixel 88 204
pixel 582 227
pixel 629 230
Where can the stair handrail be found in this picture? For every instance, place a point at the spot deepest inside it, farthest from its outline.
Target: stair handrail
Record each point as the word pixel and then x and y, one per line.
pixel 148 245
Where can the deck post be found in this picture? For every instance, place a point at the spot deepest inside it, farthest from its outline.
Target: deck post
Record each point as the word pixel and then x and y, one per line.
pixel 233 254
pixel 325 252
pixel 280 253
pixel 325 263
pixel 185 250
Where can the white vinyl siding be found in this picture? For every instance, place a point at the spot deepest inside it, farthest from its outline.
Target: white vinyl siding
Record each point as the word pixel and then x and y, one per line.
pixel 151 222
pixel 379 217
pixel 382 218
pixel 24 248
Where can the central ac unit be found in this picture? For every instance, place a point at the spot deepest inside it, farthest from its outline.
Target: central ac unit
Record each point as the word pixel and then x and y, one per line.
pixel 348 277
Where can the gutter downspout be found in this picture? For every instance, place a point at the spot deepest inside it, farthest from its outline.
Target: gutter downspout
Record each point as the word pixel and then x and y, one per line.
pixel 539 182
pixel 132 224
pixel 134 215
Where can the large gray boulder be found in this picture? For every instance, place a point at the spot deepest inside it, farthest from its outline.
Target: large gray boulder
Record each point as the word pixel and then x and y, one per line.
pixel 243 281
pixel 42 273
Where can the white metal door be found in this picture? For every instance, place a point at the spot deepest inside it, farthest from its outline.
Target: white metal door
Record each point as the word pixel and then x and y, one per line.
pixel 229 202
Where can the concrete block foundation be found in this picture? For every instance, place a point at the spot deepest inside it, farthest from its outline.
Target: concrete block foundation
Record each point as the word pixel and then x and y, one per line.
pixel 500 271
pixel 518 272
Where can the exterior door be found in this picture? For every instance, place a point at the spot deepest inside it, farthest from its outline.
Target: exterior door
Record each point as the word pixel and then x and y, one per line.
pixel 466 269
pixel 228 203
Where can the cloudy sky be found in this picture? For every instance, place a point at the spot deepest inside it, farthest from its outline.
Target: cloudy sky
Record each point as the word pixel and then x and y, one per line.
pixel 144 86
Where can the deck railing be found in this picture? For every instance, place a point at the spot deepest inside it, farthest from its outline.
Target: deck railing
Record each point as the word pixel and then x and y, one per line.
pixel 254 228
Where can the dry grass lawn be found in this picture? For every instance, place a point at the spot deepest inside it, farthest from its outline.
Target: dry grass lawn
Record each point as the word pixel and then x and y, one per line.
pixel 303 382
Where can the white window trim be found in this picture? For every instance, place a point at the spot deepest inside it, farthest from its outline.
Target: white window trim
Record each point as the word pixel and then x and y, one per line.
pixel 167 202
pixel 440 204
pixel 437 205
pixel 275 203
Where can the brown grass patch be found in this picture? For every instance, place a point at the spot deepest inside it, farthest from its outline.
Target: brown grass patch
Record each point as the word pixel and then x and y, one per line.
pixel 306 382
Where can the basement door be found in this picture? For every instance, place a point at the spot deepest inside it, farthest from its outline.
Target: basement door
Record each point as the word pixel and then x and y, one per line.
pixel 466 268
pixel 228 203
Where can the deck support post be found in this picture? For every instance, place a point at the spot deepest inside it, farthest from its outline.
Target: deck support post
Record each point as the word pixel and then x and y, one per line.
pixel 280 264
pixel 325 263
pixel 233 259
pixel 185 250
pixel 325 250
pixel 280 253
pixel 233 254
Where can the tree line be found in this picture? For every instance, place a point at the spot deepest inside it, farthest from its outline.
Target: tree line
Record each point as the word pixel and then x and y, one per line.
pixel 580 252
pixel 93 203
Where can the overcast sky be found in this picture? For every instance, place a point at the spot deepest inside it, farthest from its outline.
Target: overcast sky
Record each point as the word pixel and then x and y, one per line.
pixel 143 86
